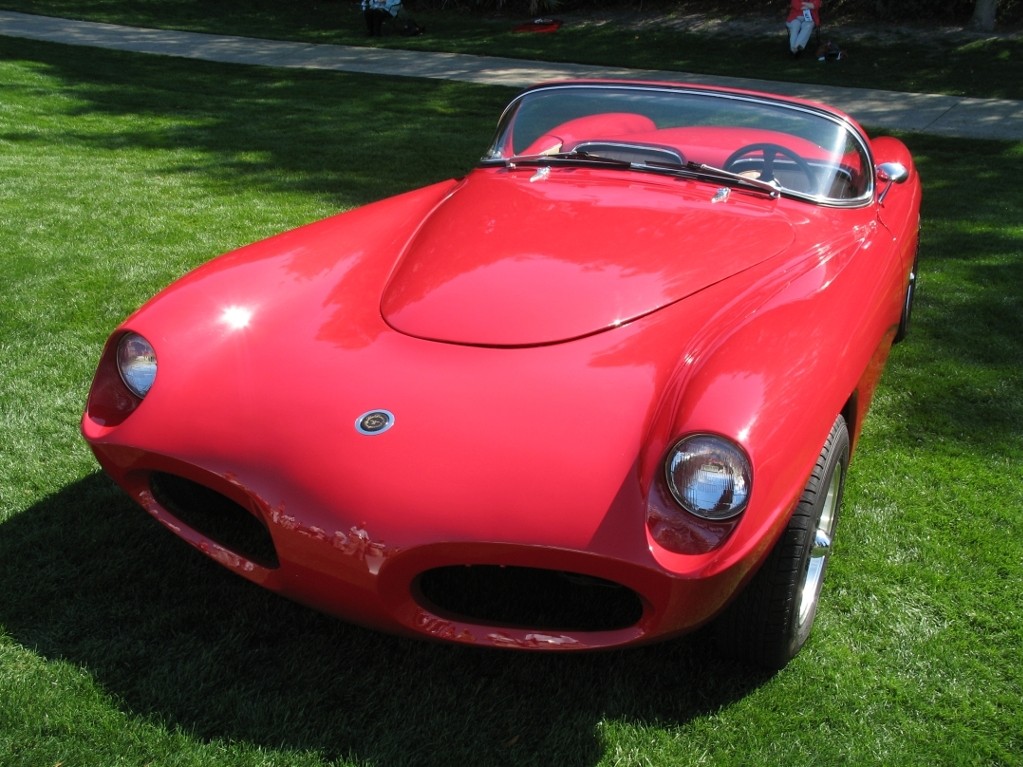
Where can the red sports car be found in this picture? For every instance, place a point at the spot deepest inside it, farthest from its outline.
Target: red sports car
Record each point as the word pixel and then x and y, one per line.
pixel 602 390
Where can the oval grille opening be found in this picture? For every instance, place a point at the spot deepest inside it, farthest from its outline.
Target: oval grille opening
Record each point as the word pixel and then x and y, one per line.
pixel 524 597
pixel 217 517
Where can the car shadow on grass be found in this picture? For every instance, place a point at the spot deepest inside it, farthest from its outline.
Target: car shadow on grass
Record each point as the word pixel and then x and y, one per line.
pixel 92 580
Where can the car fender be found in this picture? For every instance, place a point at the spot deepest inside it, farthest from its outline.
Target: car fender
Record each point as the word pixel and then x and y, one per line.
pixel 832 324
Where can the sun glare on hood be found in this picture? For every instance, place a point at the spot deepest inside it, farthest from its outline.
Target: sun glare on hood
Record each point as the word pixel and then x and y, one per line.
pixel 236 317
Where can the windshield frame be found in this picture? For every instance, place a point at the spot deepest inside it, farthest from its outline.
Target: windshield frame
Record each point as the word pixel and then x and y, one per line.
pixel 746 104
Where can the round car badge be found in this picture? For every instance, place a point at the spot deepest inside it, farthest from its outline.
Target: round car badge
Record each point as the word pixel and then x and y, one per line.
pixel 374 422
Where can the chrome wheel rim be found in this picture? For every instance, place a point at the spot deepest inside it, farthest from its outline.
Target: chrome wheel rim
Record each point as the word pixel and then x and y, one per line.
pixel 813 578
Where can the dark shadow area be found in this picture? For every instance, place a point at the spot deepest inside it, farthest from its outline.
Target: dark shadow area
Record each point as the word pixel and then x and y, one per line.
pixel 346 138
pixel 969 308
pixel 89 578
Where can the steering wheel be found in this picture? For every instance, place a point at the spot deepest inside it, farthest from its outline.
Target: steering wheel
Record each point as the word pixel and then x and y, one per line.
pixel 770 152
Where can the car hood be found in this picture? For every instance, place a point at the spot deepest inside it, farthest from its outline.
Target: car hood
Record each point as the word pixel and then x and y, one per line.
pixel 525 256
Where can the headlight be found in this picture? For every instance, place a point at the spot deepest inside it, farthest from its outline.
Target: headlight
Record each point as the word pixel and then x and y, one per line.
pixel 709 476
pixel 136 362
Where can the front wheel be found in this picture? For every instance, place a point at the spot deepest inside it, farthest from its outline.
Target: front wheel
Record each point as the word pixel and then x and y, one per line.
pixel 907 305
pixel 771 620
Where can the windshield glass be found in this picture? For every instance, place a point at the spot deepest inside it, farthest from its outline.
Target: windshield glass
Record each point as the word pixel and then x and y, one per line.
pixel 802 151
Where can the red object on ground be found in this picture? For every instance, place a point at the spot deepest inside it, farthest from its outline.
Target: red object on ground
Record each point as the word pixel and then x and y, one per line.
pixel 539 25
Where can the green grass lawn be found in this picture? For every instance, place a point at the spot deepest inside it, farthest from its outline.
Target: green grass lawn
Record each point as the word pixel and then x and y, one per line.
pixel 120 645
pixel 918 62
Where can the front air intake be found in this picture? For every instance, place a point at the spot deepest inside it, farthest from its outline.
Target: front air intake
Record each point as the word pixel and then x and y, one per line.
pixel 531 598
pixel 215 516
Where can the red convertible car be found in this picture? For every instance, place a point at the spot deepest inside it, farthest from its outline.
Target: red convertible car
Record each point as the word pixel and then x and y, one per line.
pixel 603 390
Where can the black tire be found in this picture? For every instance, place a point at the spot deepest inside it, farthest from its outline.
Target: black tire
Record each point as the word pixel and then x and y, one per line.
pixel 770 621
pixel 907 306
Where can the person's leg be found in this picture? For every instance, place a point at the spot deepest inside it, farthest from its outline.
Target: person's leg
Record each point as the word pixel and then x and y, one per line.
pixel 375 21
pixel 793 26
pixel 805 30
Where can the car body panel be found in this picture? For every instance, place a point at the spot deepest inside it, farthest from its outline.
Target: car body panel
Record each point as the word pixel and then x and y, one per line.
pixel 583 276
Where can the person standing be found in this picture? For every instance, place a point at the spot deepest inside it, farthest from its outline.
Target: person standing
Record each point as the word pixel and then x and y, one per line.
pixel 803 17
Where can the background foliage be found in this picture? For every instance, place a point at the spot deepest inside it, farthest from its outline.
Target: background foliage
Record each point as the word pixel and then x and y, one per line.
pixel 679 37
pixel 884 10
pixel 919 11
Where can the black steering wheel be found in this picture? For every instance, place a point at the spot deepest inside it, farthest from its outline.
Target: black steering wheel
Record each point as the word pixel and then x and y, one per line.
pixel 770 152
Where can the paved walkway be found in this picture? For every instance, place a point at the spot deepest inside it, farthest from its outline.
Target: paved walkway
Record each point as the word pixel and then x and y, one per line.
pixel 925 113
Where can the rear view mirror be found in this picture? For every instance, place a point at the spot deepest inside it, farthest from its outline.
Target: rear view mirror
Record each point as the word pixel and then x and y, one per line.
pixel 890 173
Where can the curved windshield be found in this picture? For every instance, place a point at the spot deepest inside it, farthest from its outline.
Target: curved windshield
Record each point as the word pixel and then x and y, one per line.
pixel 795 149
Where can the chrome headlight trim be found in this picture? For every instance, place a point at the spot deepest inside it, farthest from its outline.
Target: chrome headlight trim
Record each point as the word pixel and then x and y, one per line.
pixel 709 476
pixel 136 364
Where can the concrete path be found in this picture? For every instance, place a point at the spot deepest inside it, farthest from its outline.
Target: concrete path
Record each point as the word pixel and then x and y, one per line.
pixel 920 112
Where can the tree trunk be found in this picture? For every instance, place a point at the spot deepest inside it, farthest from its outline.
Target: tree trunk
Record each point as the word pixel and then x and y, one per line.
pixel 984 15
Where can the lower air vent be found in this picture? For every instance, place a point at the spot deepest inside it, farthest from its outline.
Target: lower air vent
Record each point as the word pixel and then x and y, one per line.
pixel 523 597
pixel 215 516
